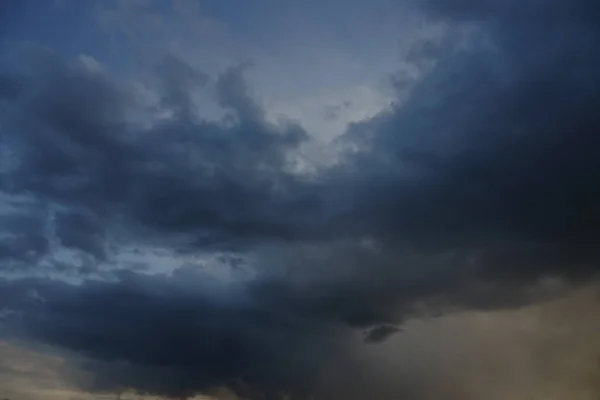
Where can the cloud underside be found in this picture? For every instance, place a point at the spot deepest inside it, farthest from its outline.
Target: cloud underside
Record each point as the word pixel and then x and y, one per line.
pixel 547 349
pixel 475 193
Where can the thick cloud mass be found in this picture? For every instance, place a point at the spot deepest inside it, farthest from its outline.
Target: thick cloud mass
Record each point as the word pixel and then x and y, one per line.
pixel 183 328
pixel 467 194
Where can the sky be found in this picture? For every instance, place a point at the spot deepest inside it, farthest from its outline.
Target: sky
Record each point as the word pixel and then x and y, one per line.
pixel 273 199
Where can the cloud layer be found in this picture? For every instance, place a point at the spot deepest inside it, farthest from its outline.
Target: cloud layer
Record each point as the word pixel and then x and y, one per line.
pixel 468 193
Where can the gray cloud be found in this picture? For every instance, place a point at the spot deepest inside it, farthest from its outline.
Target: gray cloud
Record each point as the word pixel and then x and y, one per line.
pixel 467 195
pixel 175 334
pixel 75 147
pixel 498 143
pixel 81 231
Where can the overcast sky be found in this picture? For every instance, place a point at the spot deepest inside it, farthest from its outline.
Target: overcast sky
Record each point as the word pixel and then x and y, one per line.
pixel 276 199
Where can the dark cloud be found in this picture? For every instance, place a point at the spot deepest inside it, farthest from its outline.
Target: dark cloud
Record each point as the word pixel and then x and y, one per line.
pixel 175 335
pixel 22 236
pixel 499 143
pixel 179 80
pixel 81 231
pixel 76 146
pixel 467 195
pixel 380 333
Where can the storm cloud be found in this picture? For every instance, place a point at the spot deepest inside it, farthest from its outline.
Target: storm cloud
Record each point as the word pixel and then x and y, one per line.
pixel 468 193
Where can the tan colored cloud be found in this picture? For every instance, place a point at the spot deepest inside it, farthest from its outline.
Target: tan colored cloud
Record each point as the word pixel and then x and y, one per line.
pixel 546 351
